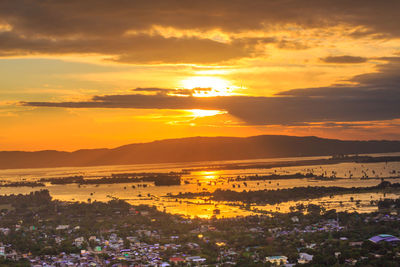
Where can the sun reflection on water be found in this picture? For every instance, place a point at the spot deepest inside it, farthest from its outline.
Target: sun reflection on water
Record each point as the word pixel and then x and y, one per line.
pixel 209 180
pixel 209 175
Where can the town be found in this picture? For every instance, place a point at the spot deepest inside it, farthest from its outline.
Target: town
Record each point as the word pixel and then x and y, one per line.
pixel 38 231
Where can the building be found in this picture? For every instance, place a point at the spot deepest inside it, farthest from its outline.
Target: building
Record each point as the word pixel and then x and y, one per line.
pixel 384 238
pixel 304 258
pixel 62 227
pixel 176 260
pixel 277 260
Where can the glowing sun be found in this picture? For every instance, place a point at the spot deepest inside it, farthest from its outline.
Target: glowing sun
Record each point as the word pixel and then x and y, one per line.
pixel 207 86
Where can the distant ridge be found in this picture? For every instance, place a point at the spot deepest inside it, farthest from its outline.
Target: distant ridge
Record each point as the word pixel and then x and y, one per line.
pixel 195 149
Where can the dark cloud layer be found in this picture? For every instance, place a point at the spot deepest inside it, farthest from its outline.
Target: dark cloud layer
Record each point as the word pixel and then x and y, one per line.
pixel 100 26
pixel 254 110
pixel 98 17
pixel 376 97
pixel 138 48
pixel 344 59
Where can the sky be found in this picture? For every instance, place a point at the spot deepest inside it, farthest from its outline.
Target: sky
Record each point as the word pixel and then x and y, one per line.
pixel 91 74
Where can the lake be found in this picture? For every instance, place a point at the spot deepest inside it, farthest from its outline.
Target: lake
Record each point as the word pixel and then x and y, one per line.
pixel 210 180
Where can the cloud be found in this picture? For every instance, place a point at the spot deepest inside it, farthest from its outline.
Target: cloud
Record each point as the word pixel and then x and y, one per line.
pixel 101 26
pixel 383 83
pixel 98 17
pixel 294 45
pixel 181 92
pixel 376 96
pixel 132 49
pixel 344 59
pixel 255 110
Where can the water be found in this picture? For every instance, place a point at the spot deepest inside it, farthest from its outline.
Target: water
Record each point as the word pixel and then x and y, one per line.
pixel 209 181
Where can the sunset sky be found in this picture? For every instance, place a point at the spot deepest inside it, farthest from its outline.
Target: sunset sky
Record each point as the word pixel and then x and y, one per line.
pixel 95 73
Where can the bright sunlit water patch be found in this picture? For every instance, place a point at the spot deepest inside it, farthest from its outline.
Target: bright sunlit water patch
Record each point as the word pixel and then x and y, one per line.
pixel 207 86
pixel 209 175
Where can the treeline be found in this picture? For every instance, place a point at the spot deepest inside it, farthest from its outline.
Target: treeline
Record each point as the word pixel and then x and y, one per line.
pixel 21 184
pixel 389 203
pixel 63 180
pixel 34 198
pixel 159 179
pixel 282 195
pixel 378 159
pixel 276 177
pixel 145 174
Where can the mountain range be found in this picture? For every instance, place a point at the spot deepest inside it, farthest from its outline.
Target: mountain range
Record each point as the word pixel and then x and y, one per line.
pixel 193 149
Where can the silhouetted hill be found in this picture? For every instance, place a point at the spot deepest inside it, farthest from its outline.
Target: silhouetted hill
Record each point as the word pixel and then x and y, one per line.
pixel 195 149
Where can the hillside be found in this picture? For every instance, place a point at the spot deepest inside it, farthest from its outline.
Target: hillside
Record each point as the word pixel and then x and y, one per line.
pixel 195 149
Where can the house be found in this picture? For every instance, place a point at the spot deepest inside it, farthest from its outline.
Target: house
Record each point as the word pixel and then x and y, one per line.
pixel 304 258
pixel 311 246
pixel 295 219
pixel 5 231
pixel 351 261
pixel 78 241
pixel 195 259
pixel 355 244
pixel 277 260
pixel 58 239
pixel 384 238
pixel 176 260
pixel 174 237
pixel 256 230
pixel 62 227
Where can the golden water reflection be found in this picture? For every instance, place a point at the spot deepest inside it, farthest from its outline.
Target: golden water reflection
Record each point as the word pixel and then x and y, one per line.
pixel 209 181
pixel 200 207
pixel 208 175
pixel 365 202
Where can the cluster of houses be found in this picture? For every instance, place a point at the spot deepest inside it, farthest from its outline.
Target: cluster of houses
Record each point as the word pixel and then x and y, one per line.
pixel 322 226
pixel 150 247
pixel 114 247
pixel 328 226
pixel 283 260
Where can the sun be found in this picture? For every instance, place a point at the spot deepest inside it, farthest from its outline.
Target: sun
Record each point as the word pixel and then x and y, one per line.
pixel 207 86
pixel 199 113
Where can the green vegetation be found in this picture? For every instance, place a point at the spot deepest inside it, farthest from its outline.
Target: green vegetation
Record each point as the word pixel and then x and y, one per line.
pixel 291 194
